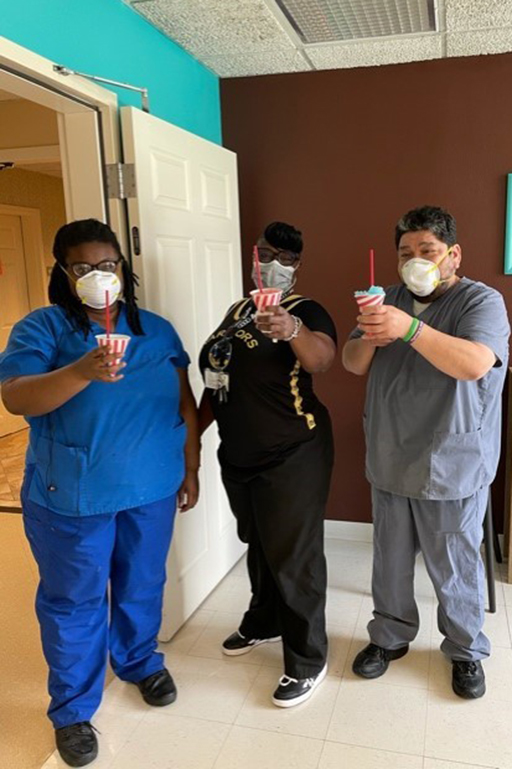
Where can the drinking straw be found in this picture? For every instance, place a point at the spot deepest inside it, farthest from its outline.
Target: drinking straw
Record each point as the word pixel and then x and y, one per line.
pixel 258 268
pixel 107 315
pixel 372 267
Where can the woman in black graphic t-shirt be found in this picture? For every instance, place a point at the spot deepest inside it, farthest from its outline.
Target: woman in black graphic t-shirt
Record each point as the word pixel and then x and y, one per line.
pixel 276 456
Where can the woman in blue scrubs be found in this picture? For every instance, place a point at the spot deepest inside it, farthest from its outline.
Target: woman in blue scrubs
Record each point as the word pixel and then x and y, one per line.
pixel 113 450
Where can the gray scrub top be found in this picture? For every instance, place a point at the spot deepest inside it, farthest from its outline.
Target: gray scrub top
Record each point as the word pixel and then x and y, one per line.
pixel 428 435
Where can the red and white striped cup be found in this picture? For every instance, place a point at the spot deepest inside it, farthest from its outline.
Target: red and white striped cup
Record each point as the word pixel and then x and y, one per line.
pixel 117 342
pixel 364 299
pixel 267 297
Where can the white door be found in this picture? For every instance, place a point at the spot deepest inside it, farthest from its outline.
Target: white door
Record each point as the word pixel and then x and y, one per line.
pixel 14 297
pixel 186 214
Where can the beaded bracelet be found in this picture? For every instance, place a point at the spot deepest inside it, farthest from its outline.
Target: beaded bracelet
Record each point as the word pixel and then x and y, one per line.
pixel 296 331
pixel 417 332
pixel 412 330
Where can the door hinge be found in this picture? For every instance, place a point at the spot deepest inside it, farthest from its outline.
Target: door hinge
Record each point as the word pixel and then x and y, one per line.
pixel 121 181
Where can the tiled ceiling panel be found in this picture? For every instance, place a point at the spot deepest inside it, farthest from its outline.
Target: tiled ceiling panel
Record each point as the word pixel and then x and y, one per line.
pixel 327 21
pixel 239 38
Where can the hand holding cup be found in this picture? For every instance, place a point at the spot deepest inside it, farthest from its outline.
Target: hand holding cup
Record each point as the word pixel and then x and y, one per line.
pixel 100 365
pixel 275 322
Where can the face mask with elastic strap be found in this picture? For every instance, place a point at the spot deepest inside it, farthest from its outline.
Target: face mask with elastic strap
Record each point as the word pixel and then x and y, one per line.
pixel 421 276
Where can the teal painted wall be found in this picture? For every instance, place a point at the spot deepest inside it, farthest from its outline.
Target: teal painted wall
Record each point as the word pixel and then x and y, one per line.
pixel 107 38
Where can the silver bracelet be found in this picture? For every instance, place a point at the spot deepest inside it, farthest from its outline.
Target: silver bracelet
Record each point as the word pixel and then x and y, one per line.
pixel 296 331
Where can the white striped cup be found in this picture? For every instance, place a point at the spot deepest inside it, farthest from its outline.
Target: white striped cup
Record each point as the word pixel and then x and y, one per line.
pixel 118 342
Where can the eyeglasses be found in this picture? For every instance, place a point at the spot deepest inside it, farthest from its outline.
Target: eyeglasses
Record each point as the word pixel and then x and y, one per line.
pixel 284 257
pixel 79 269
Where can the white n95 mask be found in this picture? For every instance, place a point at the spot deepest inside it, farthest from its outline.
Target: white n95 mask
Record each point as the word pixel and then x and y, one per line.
pixel 421 276
pixel 275 275
pixel 92 289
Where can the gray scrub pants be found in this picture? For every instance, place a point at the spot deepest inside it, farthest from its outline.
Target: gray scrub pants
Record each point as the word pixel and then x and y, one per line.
pixel 449 535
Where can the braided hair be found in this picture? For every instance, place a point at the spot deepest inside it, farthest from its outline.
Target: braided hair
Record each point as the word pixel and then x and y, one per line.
pixel 59 292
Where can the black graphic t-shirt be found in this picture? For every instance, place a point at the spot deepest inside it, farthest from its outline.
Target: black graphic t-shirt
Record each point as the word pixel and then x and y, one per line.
pixel 270 405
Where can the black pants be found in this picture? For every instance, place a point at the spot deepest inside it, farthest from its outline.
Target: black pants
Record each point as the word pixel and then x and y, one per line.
pixel 280 514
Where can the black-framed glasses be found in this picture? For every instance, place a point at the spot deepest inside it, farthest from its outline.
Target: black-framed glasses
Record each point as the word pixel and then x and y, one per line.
pixel 283 256
pixel 79 269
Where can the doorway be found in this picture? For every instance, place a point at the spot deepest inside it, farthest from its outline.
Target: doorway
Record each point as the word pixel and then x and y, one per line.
pixel 32 207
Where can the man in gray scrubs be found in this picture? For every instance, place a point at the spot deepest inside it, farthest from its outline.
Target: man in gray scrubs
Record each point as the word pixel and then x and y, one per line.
pixel 436 353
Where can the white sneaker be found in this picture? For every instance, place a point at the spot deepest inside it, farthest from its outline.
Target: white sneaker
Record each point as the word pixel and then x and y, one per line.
pixel 293 691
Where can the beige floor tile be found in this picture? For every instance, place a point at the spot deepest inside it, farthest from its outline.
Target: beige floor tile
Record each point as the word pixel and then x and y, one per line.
pixel 339 646
pixel 344 548
pixel 311 719
pixel 187 636
pixel 343 607
pixel 171 742
pixel 336 756
pixel 498 674
pixel 472 732
pixel 232 595
pixel 213 690
pixel 258 749
pixel 375 715
pixel 433 763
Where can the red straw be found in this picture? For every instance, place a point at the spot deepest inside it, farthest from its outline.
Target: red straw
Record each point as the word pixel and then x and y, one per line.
pixel 258 268
pixel 372 267
pixel 107 314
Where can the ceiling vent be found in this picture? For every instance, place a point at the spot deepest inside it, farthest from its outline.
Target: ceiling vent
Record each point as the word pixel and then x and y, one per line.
pixel 328 21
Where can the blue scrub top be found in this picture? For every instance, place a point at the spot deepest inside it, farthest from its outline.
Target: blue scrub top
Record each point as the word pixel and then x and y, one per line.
pixel 113 446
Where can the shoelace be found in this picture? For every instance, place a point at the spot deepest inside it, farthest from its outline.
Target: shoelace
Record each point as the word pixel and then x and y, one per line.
pixel 287 680
pixel 467 667
pixel 378 651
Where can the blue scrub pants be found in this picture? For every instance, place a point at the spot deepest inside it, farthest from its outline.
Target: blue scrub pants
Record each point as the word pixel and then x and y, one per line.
pixel 78 557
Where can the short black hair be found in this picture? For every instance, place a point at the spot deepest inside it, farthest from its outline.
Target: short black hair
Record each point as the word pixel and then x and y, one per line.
pixel 432 218
pixel 281 235
pixel 59 292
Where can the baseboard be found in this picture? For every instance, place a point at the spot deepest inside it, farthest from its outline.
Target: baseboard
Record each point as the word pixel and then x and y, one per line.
pixel 357 532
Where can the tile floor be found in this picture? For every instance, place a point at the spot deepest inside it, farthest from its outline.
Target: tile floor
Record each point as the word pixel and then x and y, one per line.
pixel 223 718
pixel 12 464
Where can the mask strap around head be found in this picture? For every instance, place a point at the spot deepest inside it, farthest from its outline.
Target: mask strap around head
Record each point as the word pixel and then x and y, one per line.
pixel 438 264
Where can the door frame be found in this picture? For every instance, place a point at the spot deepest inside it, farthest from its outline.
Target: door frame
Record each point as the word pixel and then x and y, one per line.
pixel 78 101
pixel 33 252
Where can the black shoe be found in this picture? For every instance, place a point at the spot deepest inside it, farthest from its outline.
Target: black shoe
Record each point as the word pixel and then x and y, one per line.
pixel 236 643
pixel 373 660
pixel 293 691
pixel 158 689
pixel 468 679
pixel 77 744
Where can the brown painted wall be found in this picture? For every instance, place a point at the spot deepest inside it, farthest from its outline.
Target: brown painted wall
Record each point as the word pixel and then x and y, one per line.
pixel 342 154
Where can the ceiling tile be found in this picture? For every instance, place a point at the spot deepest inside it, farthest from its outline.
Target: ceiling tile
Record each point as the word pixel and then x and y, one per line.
pixel 262 62
pixel 477 14
pixel 376 52
pixel 478 42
